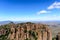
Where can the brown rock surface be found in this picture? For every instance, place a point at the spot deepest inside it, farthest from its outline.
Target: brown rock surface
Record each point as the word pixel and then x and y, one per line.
pixel 31 31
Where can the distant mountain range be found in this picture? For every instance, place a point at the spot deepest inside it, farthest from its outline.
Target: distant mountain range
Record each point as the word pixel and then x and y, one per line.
pixel 42 22
pixel 4 22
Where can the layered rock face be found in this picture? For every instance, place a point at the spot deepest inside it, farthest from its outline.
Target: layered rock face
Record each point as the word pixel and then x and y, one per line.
pixel 30 31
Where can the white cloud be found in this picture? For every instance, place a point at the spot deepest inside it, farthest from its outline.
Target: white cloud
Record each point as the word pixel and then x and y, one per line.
pixel 54 5
pixel 42 12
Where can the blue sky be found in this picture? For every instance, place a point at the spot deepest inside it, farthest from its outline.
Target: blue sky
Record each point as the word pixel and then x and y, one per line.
pixel 29 10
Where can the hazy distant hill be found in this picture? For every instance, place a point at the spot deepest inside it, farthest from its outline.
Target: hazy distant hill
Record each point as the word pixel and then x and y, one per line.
pixel 4 22
pixel 52 23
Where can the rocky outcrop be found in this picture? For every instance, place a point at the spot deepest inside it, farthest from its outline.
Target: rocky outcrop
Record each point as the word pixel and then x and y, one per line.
pixel 29 31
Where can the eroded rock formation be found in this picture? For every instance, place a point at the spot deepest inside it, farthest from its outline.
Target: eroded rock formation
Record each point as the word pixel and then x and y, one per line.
pixel 29 31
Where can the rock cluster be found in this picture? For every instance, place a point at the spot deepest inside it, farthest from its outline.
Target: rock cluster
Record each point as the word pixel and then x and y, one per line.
pixel 30 31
